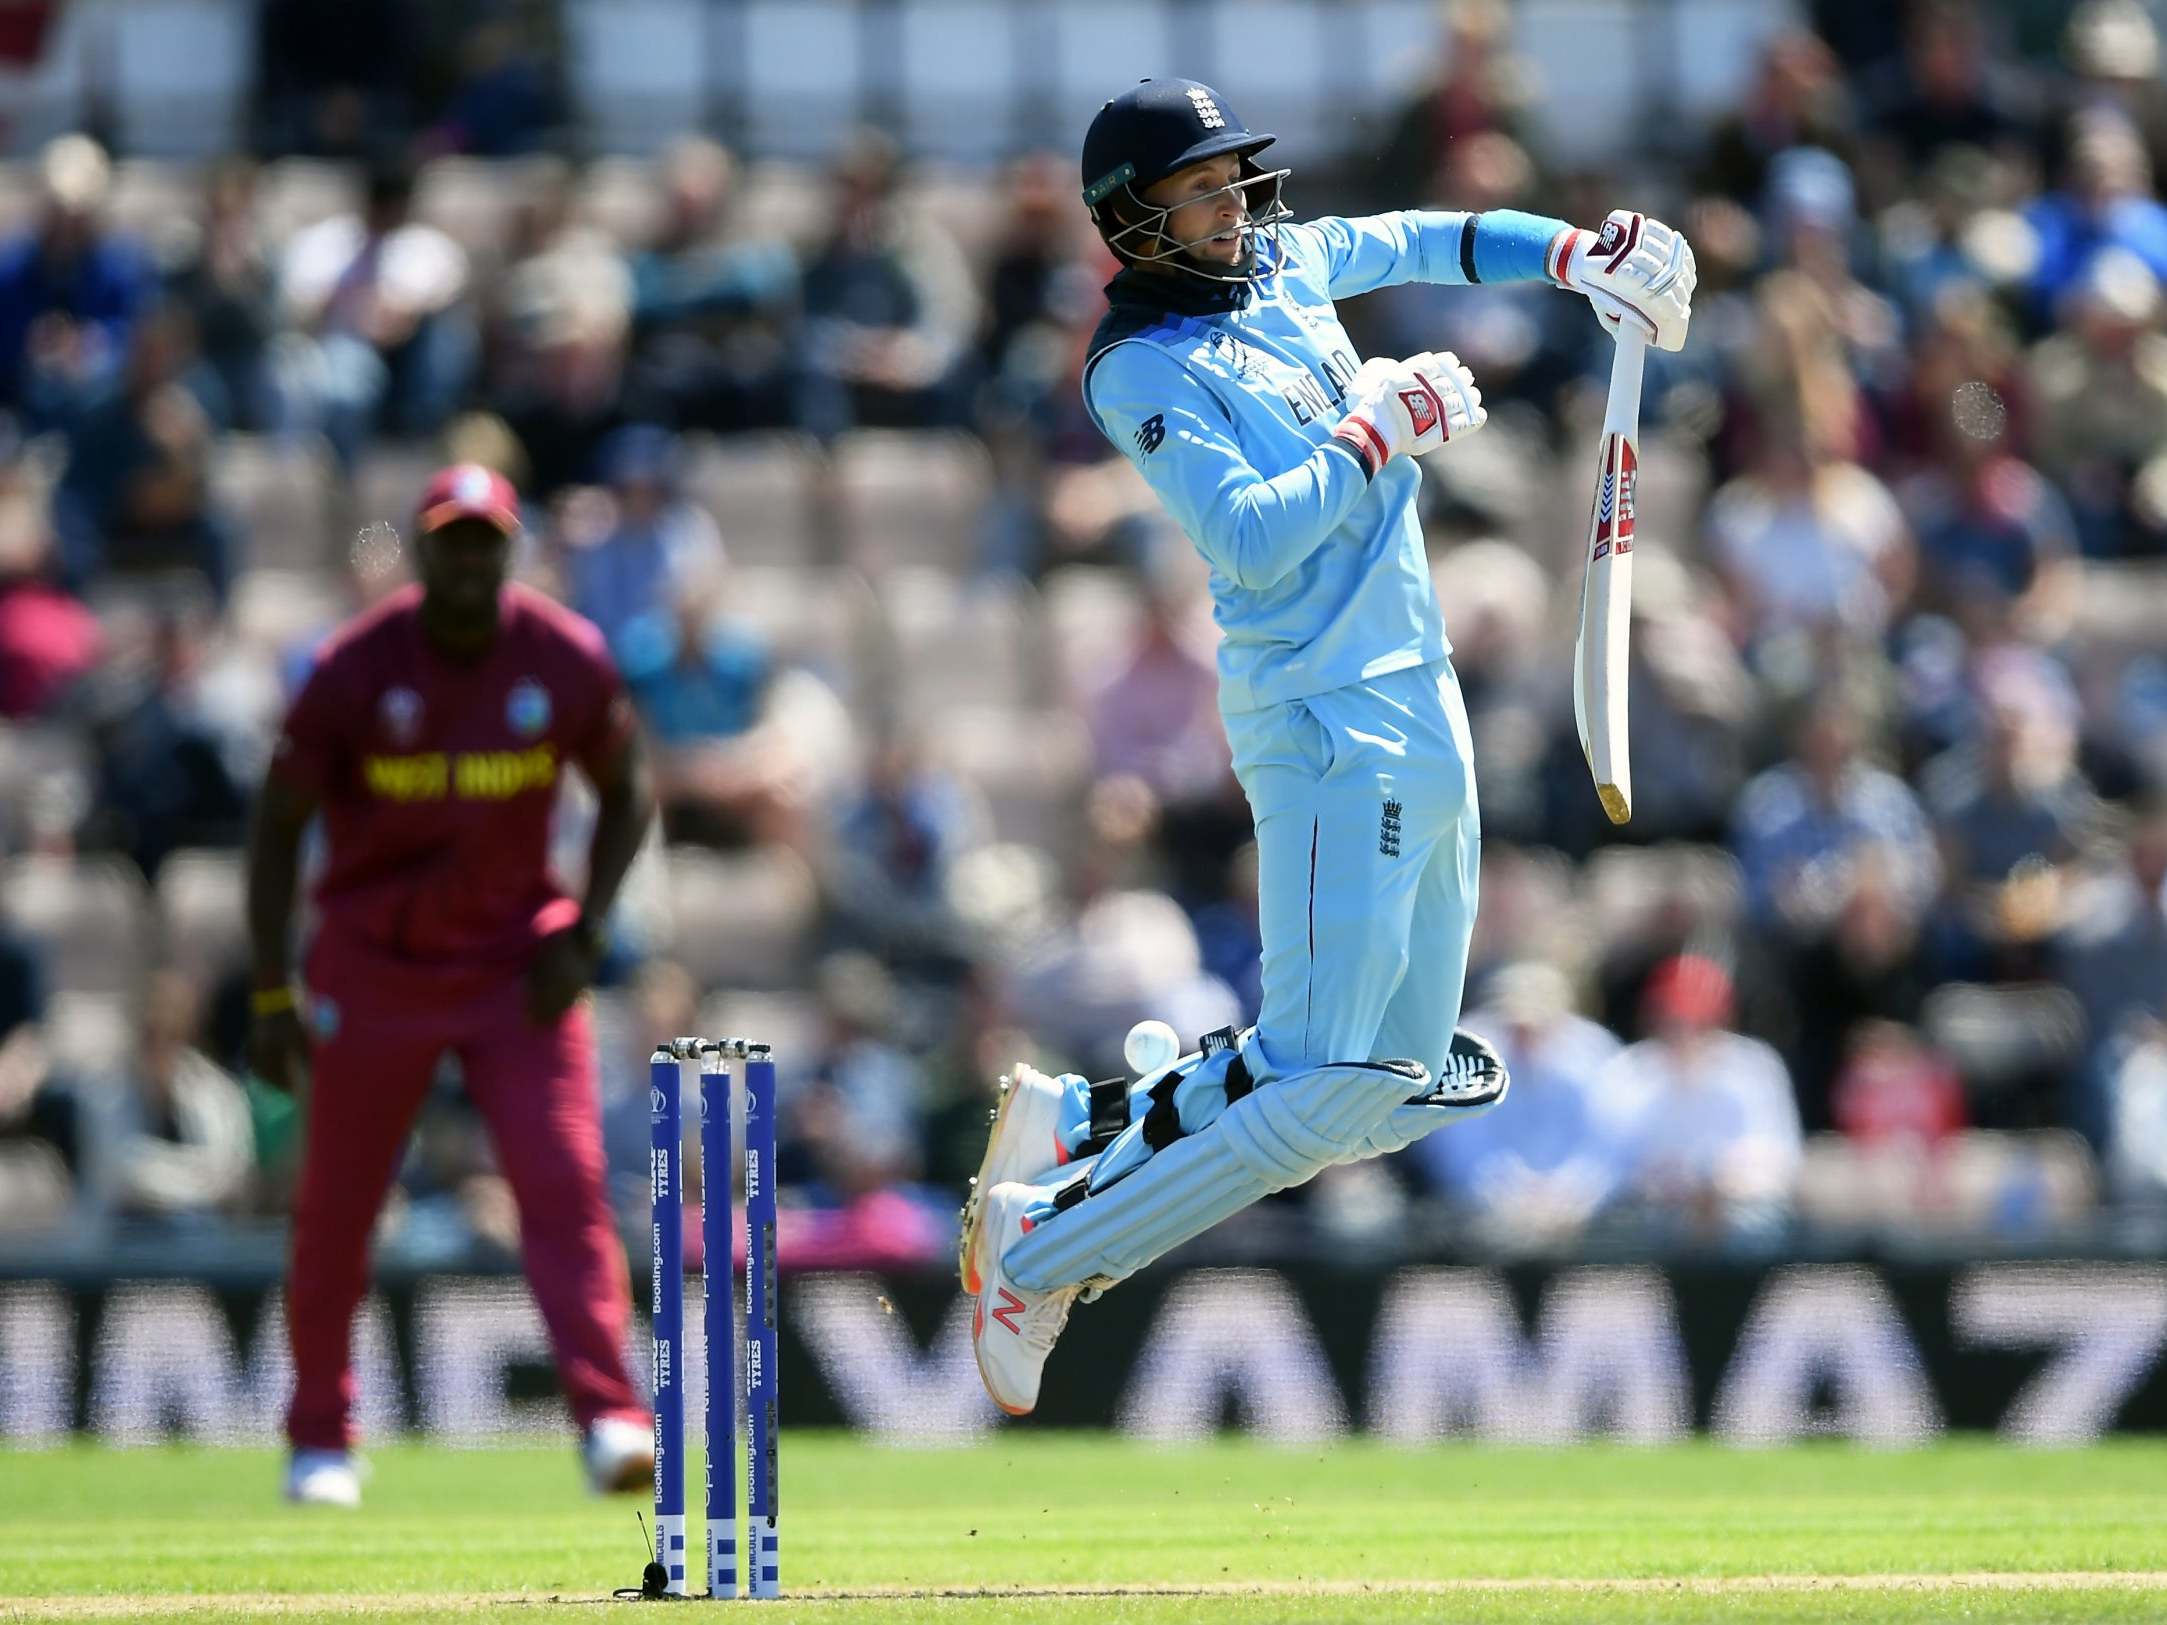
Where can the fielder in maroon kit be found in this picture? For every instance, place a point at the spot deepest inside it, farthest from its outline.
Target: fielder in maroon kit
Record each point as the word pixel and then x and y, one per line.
pixel 430 737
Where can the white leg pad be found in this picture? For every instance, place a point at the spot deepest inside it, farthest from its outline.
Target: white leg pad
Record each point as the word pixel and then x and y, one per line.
pixel 1284 1133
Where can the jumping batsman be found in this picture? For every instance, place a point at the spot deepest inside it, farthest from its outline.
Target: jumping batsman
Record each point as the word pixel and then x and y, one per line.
pixel 431 737
pixel 1222 372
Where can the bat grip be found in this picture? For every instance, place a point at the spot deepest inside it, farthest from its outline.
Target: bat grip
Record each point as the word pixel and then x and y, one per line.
pixel 1621 411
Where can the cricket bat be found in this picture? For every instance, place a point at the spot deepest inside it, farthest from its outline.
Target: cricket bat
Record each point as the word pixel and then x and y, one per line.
pixel 1606 588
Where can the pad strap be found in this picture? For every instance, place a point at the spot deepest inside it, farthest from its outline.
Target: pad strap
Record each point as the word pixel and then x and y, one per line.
pixel 1109 1114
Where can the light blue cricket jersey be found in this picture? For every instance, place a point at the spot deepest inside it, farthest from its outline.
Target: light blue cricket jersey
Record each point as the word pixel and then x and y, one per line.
pixel 1225 400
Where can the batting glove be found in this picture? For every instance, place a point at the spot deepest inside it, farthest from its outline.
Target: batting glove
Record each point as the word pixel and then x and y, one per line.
pixel 1635 269
pixel 1407 408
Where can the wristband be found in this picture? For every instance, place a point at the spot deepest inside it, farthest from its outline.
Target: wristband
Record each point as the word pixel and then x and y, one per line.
pixel 272 1001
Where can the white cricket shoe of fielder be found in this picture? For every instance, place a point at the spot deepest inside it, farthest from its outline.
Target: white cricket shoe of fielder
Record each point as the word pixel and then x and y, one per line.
pixel 618 1455
pixel 1013 1330
pixel 1023 1145
pixel 323 1478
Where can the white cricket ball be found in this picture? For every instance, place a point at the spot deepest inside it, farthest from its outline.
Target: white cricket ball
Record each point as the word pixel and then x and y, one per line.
pixel 1152 1046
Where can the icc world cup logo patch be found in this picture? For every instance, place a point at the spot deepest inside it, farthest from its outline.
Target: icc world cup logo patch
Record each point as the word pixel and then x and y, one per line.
pixel 400 712
pixel 526 708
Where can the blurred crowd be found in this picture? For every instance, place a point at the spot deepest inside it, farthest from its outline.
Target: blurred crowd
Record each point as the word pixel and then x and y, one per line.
pixel 929 683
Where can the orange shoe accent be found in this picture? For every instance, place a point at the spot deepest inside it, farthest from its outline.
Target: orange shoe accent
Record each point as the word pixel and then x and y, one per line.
pixel 1028 1226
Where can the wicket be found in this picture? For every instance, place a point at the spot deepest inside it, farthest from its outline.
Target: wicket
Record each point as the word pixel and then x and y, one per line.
pixel 667 1306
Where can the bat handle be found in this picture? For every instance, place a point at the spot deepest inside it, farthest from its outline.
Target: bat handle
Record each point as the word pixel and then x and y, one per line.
pixel 1621 412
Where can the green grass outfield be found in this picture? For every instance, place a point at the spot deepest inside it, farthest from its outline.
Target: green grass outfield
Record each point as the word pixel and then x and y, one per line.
pixel 1050 1527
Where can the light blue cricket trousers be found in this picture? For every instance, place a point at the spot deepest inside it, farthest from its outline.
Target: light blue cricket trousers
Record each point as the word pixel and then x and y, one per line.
pixel 1368 850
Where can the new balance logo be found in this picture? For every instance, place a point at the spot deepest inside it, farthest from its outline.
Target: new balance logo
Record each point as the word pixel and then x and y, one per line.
pixel 1011 1307
pixel 1421 410
pixel 1151 435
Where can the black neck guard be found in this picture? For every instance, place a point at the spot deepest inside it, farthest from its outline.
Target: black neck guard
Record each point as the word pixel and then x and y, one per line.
pixel 1183 295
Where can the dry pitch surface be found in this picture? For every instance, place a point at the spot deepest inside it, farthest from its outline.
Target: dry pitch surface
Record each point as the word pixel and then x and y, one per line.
pixel 1046 1527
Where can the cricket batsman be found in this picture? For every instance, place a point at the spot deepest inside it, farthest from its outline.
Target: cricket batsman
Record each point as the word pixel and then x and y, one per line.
pixel 1222 372
pixel 431 737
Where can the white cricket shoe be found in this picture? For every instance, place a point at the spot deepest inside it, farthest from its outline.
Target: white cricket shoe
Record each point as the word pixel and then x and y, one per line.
pixel 323 1478
pixel 1023 1145
pixel 618 1456
pixel 1013 1330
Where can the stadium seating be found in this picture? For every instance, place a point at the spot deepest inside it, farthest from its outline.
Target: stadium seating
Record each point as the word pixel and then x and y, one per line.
pixel 87 914
pixel 281 493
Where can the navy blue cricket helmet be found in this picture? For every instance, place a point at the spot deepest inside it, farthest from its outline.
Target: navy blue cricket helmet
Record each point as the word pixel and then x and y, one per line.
pixel 1148 133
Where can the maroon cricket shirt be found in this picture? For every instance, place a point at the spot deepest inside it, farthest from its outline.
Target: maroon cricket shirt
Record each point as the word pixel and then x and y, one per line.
pixel 438 779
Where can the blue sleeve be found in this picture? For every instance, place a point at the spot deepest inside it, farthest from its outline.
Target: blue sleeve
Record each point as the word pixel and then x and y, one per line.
pixel 1251 528
pixel 1429 245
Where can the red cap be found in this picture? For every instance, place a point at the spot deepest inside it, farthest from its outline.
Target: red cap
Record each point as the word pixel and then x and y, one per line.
pixel 1691 988
pixel 469 491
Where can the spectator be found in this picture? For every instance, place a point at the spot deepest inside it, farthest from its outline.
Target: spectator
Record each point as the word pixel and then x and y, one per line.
pixel 856 1136
pixel 1527 345
pixel 226 283
pixel 664 1002
pixel 727 770
pixel 2137 1117
pixel 1866 969
pixel 42 1139
pixel 1499 602
pixel 1801 827
pixel 135 497
pixel 1036 280
pixel 1808 541
pixel 1945 89
pixel 505 103
pixel 333 82
pixel 70 288
pixel 1811 219
pixel 2112 952
pixel 715 305
pixel 2101 386
pixel 1539 1171
pixel 163 775
pixel 1476 88
pixel 563 386
pixel 857 1123
pixel 1963 383
pixel 1128 955
pixel 641 546
pixel 48 640
pixel 1715 1135
pixel 2106 202
pixel 1228 936
pixel 1041 283
pixel 1154 719
pixel 1957 234
pixel 890 304
pixel 1894 1089
pixel 895 850
pixel 183 1149
pixel 1797 99
pixel 1690 699
pixel 2112 47
pixel 2011 807
pixel 383 342
pixel 1990 528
